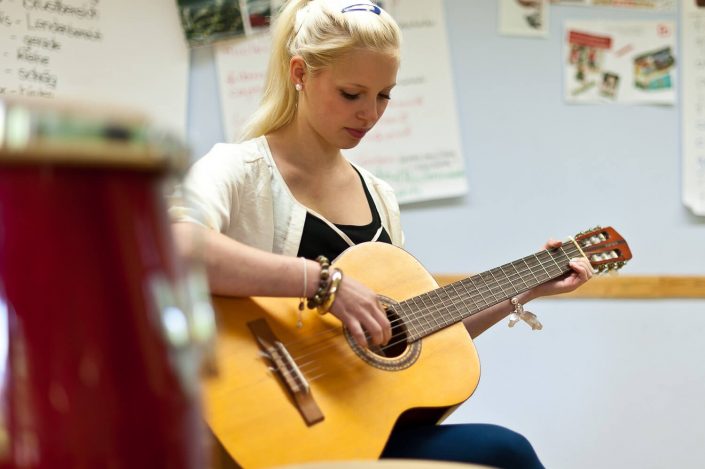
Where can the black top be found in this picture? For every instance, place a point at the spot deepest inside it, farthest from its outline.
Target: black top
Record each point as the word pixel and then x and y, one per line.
pixel 319 238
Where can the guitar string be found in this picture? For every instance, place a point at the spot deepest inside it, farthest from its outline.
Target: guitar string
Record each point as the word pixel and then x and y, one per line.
pixel 510 280
pixel 312 366
pixel 428 311
pixel 481 302
pixel 431 311
pixel 315 366
pixel 481 287
pixel 444 306
pixel 308 368
pixel 348 351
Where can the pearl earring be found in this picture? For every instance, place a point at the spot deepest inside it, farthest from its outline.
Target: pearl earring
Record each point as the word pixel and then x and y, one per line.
pixel 299 87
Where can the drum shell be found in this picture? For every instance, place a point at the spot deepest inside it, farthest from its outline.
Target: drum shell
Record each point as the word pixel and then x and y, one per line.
pixel 91 378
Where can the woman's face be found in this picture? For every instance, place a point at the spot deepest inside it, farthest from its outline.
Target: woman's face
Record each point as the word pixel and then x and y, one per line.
pixel 341 103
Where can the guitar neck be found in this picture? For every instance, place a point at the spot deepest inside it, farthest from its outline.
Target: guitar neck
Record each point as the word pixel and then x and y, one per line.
pixel 432 311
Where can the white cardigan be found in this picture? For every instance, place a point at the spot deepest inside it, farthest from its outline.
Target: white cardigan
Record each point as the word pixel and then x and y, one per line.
pixel 237 189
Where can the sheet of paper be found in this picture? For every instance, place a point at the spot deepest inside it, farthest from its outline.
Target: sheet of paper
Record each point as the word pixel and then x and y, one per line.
pixel 124 53
pixel 523 18
pixel 662 5
pixel 416 145
pixel 242 66
pixel 693 104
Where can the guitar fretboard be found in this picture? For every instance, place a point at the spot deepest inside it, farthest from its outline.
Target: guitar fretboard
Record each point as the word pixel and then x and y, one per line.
pixel 432 311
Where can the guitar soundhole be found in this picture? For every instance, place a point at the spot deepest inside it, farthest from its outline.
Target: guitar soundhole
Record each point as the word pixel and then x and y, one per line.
pixel 395 355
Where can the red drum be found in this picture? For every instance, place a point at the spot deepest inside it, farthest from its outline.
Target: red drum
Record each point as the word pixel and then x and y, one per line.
pixel 99 334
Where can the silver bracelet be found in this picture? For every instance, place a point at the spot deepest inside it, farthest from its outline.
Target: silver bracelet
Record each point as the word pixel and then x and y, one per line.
pixel 520 314
pixel 302 300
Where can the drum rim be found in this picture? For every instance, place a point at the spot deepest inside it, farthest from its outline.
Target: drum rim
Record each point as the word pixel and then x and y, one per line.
pixel 71 133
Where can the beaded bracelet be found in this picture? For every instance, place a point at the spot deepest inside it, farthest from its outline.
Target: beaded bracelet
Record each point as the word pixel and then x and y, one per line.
pixel 323 285
pixel 335 279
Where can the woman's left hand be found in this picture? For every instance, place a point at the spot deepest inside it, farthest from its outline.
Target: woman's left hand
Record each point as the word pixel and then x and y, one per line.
pixel 581 273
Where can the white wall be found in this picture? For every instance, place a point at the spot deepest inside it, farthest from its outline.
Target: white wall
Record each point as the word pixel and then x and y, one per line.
pixel 612 384
pixel 606 383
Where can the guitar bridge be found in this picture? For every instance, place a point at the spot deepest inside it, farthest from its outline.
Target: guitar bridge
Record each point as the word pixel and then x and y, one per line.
pixel 287 370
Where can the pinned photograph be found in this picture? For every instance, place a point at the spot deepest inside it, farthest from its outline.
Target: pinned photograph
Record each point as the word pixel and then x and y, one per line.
pixel 652 70
pixel 208 21
pixel 257 15
pixel 523 18
pixel 610 84
pixel 586 55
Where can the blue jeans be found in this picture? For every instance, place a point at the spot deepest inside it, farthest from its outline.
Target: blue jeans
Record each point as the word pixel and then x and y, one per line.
pixel 475 443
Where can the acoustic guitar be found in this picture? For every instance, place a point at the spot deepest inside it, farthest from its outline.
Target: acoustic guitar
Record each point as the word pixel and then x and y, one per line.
pixel 286 394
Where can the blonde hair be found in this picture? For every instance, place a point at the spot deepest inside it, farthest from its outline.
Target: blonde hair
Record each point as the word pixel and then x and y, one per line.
pixel 320 32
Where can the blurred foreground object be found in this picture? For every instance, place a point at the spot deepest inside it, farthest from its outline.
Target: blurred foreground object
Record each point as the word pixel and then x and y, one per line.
pixel 102 328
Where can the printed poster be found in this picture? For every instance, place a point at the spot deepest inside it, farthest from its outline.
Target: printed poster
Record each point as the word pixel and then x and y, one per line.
pixel 662 5
pixel 629 62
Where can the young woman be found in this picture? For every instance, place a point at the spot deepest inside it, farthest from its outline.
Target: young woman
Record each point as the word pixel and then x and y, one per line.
pixel 264 208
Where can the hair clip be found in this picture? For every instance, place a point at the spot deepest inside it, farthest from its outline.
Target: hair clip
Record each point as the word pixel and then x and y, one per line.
pixel 362 7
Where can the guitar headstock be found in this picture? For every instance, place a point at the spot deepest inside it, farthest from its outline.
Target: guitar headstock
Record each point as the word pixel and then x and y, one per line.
pixel 604 247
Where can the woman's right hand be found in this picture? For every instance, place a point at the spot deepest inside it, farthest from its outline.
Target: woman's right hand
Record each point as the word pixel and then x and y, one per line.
pixel 359 310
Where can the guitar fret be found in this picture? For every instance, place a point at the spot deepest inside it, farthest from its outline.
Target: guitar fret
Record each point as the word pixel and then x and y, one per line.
pixel 489 289
pixel 542 266
pixel 478 293
pixel 453 305
pixel 536 280
pixel 554 261
pixel 469 296
pixel 431 308
pixel 496 282
pixel 437 309
pixel 511 283
pixel 451 308
pixel 420 318
pixel 545 260
pixel 508 283
pixel 455 290
pixel 434 314
pixel 574 250
pixel 402 309
pixel 514 264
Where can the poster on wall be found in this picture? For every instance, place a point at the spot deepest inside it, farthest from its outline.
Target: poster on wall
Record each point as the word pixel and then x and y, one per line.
pixel 98 52
pixel 241 66
pixel 527 18
pixel 416 145
pixel 693 104
pixel 206 22
pixel 662 5
pixel 628 62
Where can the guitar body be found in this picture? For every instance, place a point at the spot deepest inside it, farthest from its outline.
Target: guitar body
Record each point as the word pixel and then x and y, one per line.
pixel 252 413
